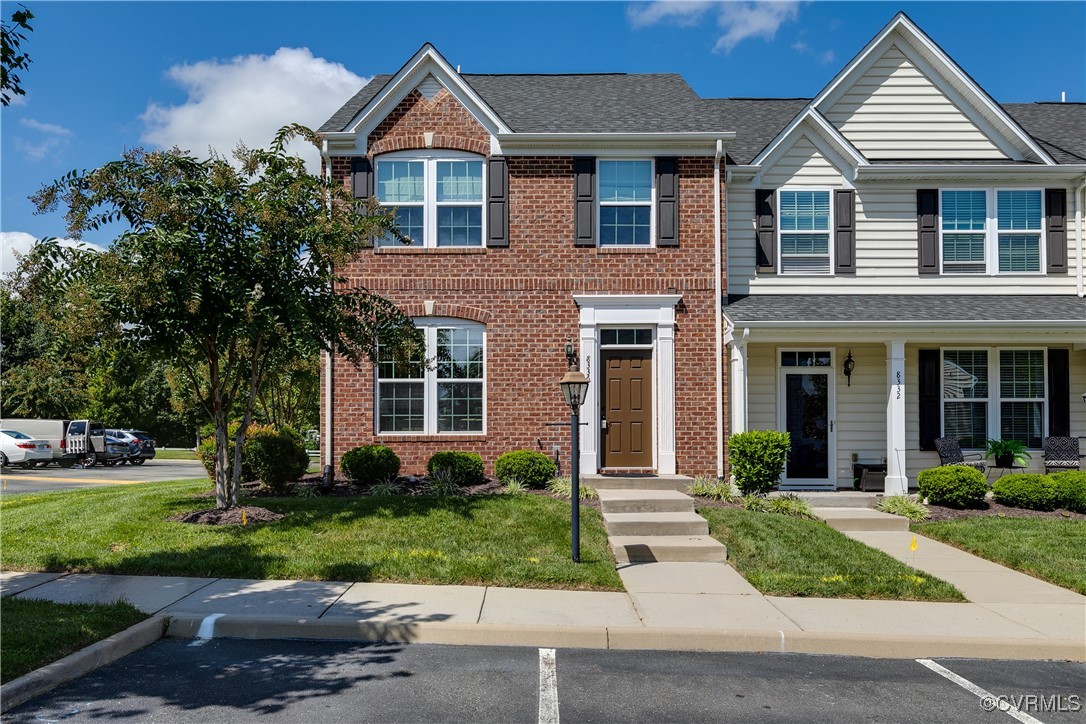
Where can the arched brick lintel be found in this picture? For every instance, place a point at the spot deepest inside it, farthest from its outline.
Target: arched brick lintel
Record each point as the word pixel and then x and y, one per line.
pixel 441 309
pixel 418 142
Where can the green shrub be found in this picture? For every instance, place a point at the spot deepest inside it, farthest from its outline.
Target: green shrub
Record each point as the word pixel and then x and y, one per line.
pixel 370 464
pixel 277 457
pixel 757 459
pixel 563 488
pixel 793 505
pixel 1071 485
pixel 1027 490
pixel 464 468
pixel 443 483
pixel 205 451
pixel 706 487
pixel 955 486
pixel 530 468
pixel 904 505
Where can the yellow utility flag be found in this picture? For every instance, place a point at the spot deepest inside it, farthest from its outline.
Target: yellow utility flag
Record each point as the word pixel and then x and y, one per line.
pixel 912 546
pixel 245 522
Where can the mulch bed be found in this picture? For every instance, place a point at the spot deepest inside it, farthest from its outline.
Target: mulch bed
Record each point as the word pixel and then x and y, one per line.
pixel 230 516
pixel 996 510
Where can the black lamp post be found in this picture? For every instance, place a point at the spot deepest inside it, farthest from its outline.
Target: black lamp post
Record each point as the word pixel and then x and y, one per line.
pixel 574 390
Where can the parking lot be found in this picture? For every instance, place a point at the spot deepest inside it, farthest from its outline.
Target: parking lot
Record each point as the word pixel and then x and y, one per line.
pixel 19 480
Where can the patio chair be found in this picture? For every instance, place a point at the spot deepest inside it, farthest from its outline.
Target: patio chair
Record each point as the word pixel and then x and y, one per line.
pixel 1061 453
pixel 950 453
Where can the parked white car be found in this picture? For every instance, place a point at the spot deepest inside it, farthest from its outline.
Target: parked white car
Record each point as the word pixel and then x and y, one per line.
pixel 20 449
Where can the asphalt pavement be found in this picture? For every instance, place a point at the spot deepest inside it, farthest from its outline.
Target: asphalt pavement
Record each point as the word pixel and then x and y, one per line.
pixel 229 680
pixel 22 480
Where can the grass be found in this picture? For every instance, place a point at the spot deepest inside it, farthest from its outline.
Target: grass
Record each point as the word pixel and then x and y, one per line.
pixel 1048 548
pixel 785 556
pixel 161 454
pixel 39 632
pixel 503 540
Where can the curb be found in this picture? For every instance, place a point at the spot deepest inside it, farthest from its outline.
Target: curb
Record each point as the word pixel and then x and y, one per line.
pixel 883 646
pixel 82 662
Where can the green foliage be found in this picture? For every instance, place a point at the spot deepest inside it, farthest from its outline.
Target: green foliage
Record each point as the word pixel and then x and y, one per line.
pixel 12 57
pixel 512 486
pixel 904 505
pixel 277 457
pixel 1015 449
pixel 370 464
pixel 385 489
pixel 756 503
pixel 206 451
pixel 530 468
pixel 757 459
pixel 462 468
pixel 1072 490
pixel 563 488
pixel 955 486
pixel 443 483
pixel 1031 491
pixel 707 487
pixel 793 505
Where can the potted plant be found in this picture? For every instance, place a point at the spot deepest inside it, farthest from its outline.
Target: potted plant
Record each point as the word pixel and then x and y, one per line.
pixel 1007 453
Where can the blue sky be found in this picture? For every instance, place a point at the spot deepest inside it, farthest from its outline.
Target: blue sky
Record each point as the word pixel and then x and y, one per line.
pixel 106 76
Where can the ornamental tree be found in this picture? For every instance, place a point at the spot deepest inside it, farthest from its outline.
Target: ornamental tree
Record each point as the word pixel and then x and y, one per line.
pixel 227 272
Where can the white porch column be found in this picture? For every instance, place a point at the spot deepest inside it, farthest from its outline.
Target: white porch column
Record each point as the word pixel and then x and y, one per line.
pixel 737 383
pixel 665 380
pixel 590 411
pixel 896 481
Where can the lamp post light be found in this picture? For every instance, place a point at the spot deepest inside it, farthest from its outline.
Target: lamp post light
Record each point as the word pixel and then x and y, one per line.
pixel 574 390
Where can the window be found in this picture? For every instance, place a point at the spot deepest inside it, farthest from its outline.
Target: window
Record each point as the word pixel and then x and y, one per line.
pixel 804 231
pixel 975 409
pixel 438 199
pixel 625 337
pixel 444 397
pixel 625 195
pixel 991 231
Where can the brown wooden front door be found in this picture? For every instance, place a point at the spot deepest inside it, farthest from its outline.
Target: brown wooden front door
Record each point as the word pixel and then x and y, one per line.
pixel 626 409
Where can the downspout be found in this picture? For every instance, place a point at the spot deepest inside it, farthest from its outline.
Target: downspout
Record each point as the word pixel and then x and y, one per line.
pixel 719 311
pixel 1079 201
pixel 326 436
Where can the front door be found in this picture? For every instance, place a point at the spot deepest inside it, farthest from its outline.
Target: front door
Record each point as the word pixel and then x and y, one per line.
pixel 626 408
pixel 806 416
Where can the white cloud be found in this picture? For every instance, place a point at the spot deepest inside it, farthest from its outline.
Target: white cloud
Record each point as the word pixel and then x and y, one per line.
pixel 48 139
pixel 738 19
pixel 822 56
pixel 249 98
pixel 15 244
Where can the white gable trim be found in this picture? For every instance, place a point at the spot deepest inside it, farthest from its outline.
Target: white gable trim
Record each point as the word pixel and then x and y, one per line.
pixel 827 139
pixel 427 61
pixel 948 76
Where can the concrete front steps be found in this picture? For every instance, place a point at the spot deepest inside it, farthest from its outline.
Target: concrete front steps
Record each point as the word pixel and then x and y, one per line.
pixel 656 522
pixel 850 519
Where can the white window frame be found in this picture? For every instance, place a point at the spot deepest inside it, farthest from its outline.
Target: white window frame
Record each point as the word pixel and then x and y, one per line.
pixel 430 380
pixel 992 233
pixel 430 204
pixel 994 423
pixel 600 204
pixel 829 234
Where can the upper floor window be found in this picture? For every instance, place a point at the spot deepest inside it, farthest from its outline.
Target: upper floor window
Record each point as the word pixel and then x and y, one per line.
pixel 625 200
pixel 989 231
pixel 438 198
pixel 804 229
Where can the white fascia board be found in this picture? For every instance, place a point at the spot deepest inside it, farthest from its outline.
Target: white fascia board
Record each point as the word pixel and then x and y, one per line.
pixel 558 144
pixel 920 325
pixel 913 36
pixel 843 148
pixel 426 61
pixel 970 171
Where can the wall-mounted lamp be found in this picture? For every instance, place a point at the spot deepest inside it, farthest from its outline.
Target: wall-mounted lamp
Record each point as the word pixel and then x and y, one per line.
pixel 850 364
pixel 1084 396
pixel 571 355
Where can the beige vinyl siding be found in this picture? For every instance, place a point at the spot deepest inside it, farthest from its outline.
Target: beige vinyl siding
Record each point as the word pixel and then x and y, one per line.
pixel 861 408
pixel 803 165
pixel 894 111
pixel 762 371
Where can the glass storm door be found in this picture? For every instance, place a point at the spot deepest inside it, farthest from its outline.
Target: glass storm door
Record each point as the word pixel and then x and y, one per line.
pixel 806 415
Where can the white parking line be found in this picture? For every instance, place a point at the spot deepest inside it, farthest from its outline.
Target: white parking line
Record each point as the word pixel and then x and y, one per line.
pixel 548 687
pixel 989 701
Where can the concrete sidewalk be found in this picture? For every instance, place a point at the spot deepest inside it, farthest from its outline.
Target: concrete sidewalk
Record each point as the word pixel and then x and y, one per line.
pixel 690 606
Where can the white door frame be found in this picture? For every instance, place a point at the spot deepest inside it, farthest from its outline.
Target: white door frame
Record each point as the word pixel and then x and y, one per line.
pixel 830 483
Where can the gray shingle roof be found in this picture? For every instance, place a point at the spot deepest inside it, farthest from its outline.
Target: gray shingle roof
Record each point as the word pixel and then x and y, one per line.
pixel 756 122
pixel 812 309
pixel 1060 128
pixel 350 109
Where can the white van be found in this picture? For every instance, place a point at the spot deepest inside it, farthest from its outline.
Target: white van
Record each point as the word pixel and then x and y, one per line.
pixel 54 431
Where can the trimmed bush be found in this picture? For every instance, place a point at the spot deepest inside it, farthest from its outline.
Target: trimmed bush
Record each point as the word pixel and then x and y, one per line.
pixel 955 486
pixel 757 459
pixel 277 457
pixel 461 468
pixel 1071 487
pixel 370 464
pixel 1026 490
pixel 528 467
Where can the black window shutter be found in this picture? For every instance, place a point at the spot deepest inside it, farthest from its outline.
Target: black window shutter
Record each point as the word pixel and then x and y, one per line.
pixel 931 398
pixel 927 230
pixel 1059 393
pixel 497 202
pixel 844 211
pixel 765 204
pixel 667 201
pixel 1056 230
pixel 584 200
pixel 361 177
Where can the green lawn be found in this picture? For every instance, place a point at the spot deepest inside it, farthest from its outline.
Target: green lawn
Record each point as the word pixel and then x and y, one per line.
pixel 161 454
pixel 1048 548
pixel 39 632
pixel 502 540
pixel 785 556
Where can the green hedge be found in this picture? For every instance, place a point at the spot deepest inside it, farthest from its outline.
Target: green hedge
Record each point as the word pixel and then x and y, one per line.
pixel 1071 485
pixel 955 486
pixel 461 468
pixel 1027 490
pixel 528 467
pixel 370 464
pixel 277 457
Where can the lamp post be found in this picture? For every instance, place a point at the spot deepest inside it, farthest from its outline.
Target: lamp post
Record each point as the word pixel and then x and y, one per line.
pixel 574 390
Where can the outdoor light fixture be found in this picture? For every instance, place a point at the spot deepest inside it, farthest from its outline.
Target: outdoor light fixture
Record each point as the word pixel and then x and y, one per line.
pixel 850 364
pixel 574 389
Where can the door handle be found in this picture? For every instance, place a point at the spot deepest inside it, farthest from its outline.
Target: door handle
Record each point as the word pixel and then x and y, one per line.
pixel 604 424
pixel 831 425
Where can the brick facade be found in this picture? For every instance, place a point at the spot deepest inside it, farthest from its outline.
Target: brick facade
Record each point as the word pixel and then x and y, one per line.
pixel 524 295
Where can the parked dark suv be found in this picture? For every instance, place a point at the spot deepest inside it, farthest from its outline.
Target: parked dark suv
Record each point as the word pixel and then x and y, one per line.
pixel 147 443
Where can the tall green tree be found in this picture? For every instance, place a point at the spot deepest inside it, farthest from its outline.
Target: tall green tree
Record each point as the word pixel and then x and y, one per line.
pixel 228 270
pixel 12 58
